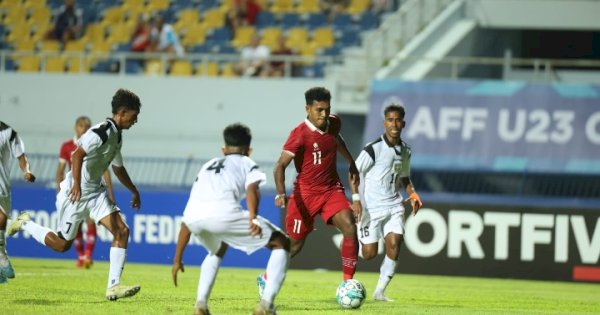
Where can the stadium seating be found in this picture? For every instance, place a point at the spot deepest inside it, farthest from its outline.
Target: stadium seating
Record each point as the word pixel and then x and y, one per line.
pixel 200 25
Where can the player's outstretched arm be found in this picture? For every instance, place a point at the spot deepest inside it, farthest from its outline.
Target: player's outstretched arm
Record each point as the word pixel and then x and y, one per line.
pixel 279 176
pixel 24 165
pixel 124 178
pixel 413 197
pixel 182 241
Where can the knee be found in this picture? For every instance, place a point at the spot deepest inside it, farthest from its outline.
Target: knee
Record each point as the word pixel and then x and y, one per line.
pixel 63 247
pixel 369 252
pixel 122 233
pixel 295 248
pixel 281 241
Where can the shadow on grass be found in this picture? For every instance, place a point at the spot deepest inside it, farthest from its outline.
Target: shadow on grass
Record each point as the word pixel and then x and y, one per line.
pixel 36 302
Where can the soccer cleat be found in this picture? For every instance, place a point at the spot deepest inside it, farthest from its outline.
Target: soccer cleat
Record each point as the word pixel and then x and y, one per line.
pixel 380 296
pixel 3 280
pixel 260 309
pixel 120 291
pixel 87 262
pixel 15 227
pixel 6 269
pixel 79 263
pixel 201 311
pixel 261 282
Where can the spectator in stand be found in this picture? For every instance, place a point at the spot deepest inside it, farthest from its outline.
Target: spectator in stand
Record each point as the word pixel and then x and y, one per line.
pixel 140 38
pixel 68 24
pixel 333 7
pixel 278 66
pixel 254 59
pixel 243 12
pixel 164 39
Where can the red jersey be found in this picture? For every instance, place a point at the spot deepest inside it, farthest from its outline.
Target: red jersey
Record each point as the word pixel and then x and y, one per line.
pixel 66 150
pixel 315 154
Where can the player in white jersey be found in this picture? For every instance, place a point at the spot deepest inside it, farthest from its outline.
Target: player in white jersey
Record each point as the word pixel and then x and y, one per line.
pixel 10 144
pixel 384 165
pixel 214 215
pixel 82 193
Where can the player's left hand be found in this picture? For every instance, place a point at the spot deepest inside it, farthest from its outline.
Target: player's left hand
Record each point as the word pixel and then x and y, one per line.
pixel 176 267
pixel 136 203
pixel 29 177
pixel 255 228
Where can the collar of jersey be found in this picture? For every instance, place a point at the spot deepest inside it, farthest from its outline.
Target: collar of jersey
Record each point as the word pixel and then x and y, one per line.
pixel 385 139
pixel 113 124
pixel 313 128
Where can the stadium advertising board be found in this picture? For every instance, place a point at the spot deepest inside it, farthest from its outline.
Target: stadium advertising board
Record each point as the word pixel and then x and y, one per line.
pixel 153 229
pixel 489 125
pixel 483 241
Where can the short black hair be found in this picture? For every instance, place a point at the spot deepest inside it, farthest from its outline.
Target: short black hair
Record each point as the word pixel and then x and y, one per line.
pixel 127 99
pixel 394 108
pixel 81 118
pixel 319 94
pixel 237 135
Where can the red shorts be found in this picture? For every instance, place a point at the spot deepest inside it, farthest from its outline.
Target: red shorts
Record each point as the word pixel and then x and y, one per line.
pixel 301 210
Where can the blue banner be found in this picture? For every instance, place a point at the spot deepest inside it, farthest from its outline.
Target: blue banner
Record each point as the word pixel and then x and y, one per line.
pixel 153 229
pixel 494 125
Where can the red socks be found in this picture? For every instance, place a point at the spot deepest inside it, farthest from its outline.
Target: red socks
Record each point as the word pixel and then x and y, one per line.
pixel 349 256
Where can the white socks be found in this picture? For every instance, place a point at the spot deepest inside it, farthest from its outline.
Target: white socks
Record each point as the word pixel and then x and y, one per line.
pixel 117 261
pixel 276 269
pixel 386 272
pixel 208 274
pixel 37 231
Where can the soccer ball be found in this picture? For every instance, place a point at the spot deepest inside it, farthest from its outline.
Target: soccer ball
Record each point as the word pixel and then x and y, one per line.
pixel 351 294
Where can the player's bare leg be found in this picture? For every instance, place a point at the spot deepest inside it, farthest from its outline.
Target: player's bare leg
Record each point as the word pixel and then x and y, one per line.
pixel 208 274
pixel 344 221
pixel 42 234
pixel 120 231
pixel 393 242
pixel 6 269
pixel 296 246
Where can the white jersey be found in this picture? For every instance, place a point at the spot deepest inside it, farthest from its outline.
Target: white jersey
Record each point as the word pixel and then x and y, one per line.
pixel 102 145
pixel 381 166
pixel 220 186
pixel 10 144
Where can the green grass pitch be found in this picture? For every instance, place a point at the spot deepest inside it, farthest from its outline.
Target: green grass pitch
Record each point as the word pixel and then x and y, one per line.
pixel 57 287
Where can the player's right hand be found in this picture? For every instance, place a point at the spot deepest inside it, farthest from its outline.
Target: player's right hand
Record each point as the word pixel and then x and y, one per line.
pixel 75 194
pixel 255 228
pixel 29 177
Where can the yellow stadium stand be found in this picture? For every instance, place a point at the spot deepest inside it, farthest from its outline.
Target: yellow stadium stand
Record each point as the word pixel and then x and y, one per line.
pixel 323 37
pixel 296 37
pixel 153 67
pixel 181 68
pixel 54 64
pixel 50 46
pixel 358 6
pixel 75 66
pixel 113 15
pixel 243 36
pixel 213 18
pixel 95 32
pixel 209 69
pixel 308 6
pixel 28 64
pixel 76 45
pixel 159 4
pixel 282 6
pixel 18 31
pixel 119 33
pixel 194 35
pixel 228 71
pixel 25 44
pixel 39 14
pixel 270 36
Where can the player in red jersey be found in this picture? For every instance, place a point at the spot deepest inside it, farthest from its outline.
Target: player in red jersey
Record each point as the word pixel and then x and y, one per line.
pixel 84 258
pixel 313 146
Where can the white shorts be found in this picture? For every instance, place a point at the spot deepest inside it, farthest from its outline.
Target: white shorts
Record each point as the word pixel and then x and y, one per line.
pixel 232 229
pixel 5 205
pixel 70 215
pixel 377 223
